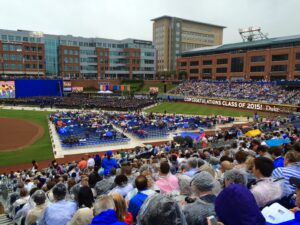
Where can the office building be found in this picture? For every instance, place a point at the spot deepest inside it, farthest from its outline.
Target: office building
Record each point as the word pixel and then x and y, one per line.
pixel 27 53
pixel 172 36
pixel 268 59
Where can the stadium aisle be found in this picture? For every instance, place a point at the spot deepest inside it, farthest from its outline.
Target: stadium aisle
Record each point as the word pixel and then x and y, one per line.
pixel 4 220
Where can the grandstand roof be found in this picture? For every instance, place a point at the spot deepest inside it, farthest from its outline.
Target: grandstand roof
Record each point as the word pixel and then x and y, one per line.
pixel 272 42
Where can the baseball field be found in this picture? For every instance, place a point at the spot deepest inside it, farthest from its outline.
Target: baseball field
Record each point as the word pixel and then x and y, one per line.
pixel 24 135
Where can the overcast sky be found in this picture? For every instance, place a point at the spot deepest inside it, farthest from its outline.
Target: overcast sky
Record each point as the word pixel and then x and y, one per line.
pixel 119 19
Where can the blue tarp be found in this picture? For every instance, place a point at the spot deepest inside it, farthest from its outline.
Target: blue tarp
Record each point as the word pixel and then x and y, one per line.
pixel 192 135
pixel 277 142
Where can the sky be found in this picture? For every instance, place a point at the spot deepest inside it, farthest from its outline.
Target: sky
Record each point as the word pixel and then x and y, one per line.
pixel 120 19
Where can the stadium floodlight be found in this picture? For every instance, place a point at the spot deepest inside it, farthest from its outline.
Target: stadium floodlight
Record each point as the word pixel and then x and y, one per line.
pixel 253 33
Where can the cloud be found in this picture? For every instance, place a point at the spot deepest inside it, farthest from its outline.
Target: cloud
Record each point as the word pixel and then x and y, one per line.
pixel 120 19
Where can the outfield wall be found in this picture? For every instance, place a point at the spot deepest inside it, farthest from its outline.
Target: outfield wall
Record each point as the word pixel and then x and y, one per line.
pixel 245 105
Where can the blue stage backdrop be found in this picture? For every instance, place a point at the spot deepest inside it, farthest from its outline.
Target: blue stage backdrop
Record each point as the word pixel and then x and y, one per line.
pixel 32 88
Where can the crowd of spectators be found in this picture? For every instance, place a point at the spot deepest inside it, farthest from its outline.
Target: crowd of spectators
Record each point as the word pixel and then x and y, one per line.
pixel 253 91
pixel 178 184
pixel 118 103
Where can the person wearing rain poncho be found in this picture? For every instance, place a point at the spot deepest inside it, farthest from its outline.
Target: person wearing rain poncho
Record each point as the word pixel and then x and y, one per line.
pixel 196 213
pixel 160 210
pixel 34 214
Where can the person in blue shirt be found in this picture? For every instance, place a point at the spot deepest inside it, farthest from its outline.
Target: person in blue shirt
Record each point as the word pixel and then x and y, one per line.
pixel 276 153
pixel 104 209
pixel 137 201
pixel 109 162
pixel 60 212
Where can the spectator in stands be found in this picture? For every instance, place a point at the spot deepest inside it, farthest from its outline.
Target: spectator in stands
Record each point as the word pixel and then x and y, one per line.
pixel 169 212
pixel 296 182
pixel 235 176
pixel 122 185
pixel 291 169
pixel 84 214
pixel 263 152
pixel 90 162
pixel 192 167
pixel 276 153
pixel 105 214
pixel 196 213
pixel 19 203
pixel 61 211
pixel 235 205
pixel 109 162
pixel 121 209
pixel 241 157
pixel 97 160
pixel 266 189
pixel 143 193
pixel 166 182
pixel 82 164
pixel 39 198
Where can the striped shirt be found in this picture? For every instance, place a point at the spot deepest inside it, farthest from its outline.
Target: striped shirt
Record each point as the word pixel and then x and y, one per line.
pixel 292 170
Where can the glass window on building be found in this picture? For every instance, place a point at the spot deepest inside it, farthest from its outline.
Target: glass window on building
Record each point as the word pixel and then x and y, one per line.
pixel 32 39
pixel 5 47
pixel 194 71
pixel 6 56
pixel 27 66
pixel 194 63
pixel 65 51
pixel 12 48
pixel 297 67
pixel 11 38
pixel 279 68
pixel 237 64
pixel 222 61
pixel 25 39
pixel 207 70
pixel 298 55
pixel 20 66
pixel 207 62
pixel 71 52
pixel 257 69
pixel 4 37
pixel 282 57
pixel 18 38
pixel 222 70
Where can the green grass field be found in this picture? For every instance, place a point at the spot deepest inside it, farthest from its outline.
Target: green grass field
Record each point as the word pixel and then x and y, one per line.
pixel 40 150
pixel 160 86
pixel 193 109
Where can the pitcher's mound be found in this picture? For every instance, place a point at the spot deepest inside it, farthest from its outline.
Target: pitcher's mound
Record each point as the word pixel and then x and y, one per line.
pixel 16 134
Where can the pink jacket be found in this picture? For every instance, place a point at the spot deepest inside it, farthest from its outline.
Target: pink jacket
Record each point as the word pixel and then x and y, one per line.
pixel 168 184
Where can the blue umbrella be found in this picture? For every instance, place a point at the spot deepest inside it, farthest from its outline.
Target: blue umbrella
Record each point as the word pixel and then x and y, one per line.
pixel 277 142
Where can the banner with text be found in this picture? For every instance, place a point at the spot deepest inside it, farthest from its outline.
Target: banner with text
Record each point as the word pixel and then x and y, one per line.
pixel 276 108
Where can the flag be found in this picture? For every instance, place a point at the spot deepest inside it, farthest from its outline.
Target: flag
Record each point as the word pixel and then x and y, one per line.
pixel 122 88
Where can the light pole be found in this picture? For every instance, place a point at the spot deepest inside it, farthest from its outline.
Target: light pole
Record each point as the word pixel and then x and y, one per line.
pixel 37 34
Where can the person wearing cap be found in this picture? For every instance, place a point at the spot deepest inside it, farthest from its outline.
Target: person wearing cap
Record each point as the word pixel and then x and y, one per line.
pixel 235 205
pixel 202 186
pixel 61 211
pixel 109 162
pixel 39 198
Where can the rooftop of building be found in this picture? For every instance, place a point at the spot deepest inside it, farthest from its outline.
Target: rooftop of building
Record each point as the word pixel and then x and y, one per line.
pixel 187 20
pixel 71 37
pixel 277 41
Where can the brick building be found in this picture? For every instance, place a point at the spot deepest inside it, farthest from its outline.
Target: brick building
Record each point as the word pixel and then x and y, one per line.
pixel 27 54
pixel 268 59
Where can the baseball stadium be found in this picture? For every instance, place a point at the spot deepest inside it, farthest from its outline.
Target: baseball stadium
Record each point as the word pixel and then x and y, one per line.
pixel 180 130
